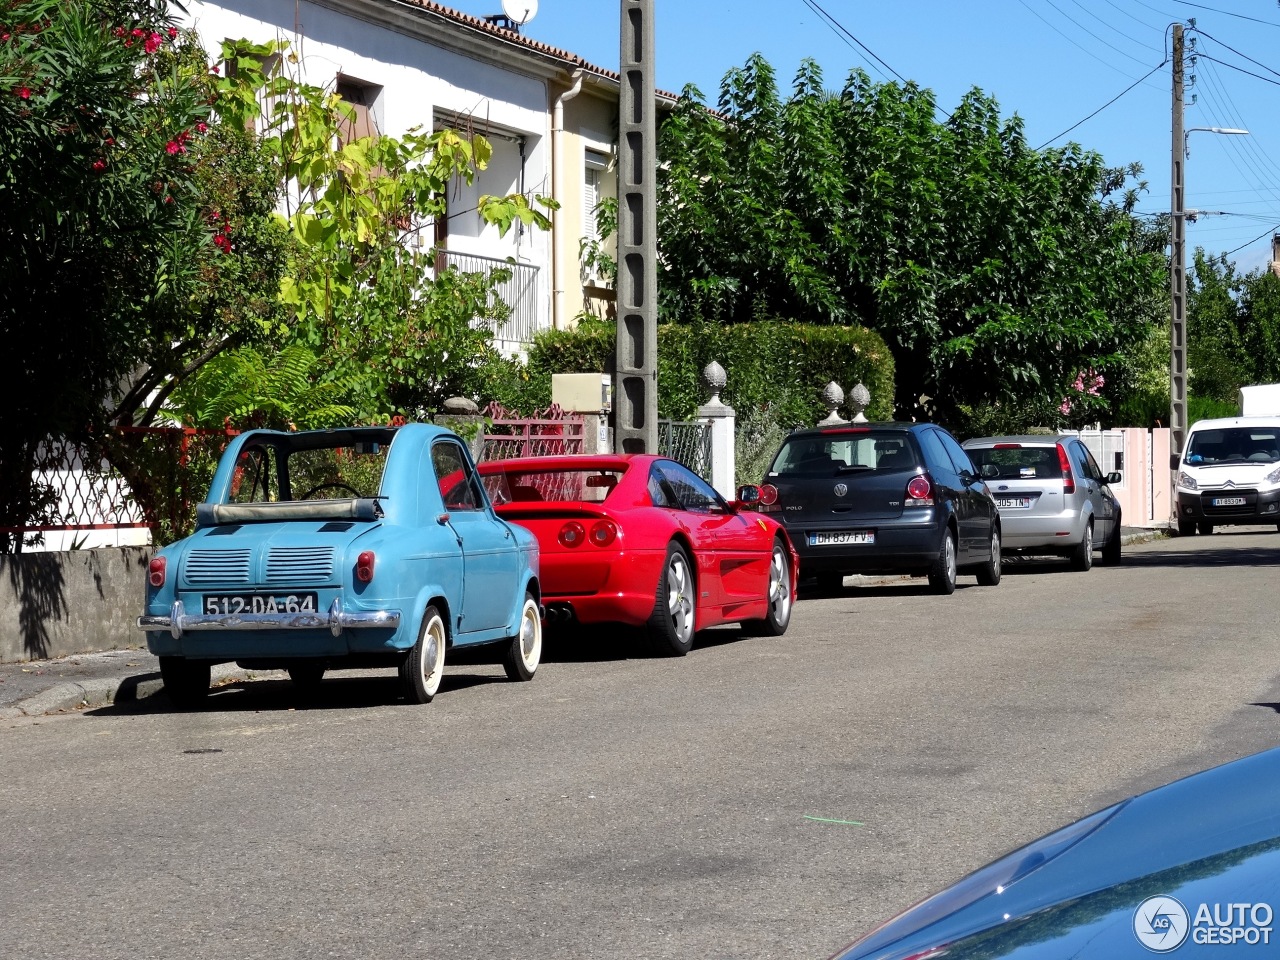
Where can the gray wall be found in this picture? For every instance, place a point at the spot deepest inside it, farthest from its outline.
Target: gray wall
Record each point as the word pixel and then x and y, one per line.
pixel 75 601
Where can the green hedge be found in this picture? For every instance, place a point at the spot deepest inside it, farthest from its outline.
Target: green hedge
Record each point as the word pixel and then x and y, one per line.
pixel 780 366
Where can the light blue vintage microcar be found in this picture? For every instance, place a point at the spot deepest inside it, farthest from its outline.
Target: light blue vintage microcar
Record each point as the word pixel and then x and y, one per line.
pixel 354 547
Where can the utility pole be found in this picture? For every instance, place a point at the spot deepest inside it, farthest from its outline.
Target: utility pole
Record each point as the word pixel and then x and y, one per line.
pixel 635 402
pixel 1177 260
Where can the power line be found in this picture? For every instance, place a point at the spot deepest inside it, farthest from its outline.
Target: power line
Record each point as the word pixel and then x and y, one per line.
pixel 1081 26
pixel 1254 240
pixel 1108 23
pixel 1232 66
pixel 1227 13
pixel 1072 41
pixel 838 26
pixel 1235 51
pixel 1105 105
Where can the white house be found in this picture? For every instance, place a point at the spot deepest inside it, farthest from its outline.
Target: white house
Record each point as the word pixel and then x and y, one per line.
pixel 549 115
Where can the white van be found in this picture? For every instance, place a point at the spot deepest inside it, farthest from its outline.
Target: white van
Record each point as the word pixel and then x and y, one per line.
pixel 1229 473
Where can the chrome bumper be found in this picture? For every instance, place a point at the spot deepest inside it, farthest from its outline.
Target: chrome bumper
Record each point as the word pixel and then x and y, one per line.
pixel 336 619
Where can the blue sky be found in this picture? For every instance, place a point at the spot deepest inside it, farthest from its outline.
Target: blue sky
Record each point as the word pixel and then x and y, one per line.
pixel 1052 62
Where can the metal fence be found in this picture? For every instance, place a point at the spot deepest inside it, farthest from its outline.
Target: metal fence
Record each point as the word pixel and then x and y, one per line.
pixel 550 432
pixel 1107 447
pixel 687 442
pixel 86 501
pixel 519 293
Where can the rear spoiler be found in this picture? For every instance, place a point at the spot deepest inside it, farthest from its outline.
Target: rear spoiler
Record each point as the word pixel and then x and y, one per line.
pixel 219 514
pixel 552 510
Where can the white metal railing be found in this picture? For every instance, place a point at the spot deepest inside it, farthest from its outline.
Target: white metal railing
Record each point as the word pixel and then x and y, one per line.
pixel 519 293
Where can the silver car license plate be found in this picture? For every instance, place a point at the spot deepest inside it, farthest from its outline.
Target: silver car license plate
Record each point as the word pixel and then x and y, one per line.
pixel 1014 503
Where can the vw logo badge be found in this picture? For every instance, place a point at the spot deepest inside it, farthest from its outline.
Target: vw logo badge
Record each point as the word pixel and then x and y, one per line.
pixel 841 489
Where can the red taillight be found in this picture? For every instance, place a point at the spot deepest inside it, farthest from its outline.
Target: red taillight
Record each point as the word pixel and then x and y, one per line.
pixel 1006 446
pixel 919 492
pixel 1068 481
pixel 768 494
pixel 572 534
pixel 155 571
pixel 364 566
pixel 604 532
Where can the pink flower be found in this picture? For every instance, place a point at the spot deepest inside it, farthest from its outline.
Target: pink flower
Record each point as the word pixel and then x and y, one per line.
pixel 202 128
pixel 173 32
pixel 153 43
pixel 213 69
pixel 23 92
pixel 171 148
pixel 99 165
pixel 137 32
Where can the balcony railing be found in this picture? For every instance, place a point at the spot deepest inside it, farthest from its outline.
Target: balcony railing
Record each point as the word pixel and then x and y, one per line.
pixel 519 293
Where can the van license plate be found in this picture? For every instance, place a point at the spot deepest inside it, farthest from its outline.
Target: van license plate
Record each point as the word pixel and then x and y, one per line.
pixel 1227 502
pixel 841 538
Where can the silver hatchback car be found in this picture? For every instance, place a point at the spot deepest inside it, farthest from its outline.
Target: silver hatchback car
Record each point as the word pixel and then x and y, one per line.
pixel 1052 496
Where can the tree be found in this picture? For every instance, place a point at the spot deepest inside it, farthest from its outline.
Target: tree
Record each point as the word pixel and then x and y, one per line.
pixel 998 274
pixel 385 332
pixel 100 228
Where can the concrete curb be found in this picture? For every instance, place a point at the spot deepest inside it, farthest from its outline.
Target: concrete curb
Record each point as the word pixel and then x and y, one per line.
pixel 70 697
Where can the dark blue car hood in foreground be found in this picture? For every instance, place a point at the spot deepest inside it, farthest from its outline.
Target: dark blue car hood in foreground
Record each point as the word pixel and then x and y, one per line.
pixel 1210 841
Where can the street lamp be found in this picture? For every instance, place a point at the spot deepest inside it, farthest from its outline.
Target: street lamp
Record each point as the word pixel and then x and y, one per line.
pixel 1177 269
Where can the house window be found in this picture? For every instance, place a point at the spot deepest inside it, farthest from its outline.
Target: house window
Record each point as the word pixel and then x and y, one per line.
pixel 595 164
pixel 363 99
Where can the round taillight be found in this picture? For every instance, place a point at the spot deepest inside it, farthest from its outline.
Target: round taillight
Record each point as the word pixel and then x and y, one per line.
pixel 919 488
pixel 768 494
pixel 604 532
pixel 364 566
pixel 572 534
pixel 156 571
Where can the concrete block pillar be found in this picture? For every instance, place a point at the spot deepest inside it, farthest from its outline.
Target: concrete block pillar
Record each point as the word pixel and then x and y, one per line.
pixel 721 418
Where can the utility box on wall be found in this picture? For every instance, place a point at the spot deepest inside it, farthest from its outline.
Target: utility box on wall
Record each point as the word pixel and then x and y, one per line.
pixel 582 392
pixel 591 395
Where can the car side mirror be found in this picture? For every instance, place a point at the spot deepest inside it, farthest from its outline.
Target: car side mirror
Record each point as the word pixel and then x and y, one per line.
pixel 1114 477
pixel 748 497
pixel 1174 460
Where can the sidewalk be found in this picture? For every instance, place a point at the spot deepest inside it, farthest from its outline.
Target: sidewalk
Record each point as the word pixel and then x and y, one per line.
pixel 35 688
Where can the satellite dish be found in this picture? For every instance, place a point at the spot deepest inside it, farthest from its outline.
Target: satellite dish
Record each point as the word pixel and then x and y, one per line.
pixel 520 12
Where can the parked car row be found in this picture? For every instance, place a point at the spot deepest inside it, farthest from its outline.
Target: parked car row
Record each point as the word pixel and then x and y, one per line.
pixel 388 546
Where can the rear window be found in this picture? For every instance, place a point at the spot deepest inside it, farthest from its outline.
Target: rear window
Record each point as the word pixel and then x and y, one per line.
pixel 551 486
pixel 1016 463
pixel 825 454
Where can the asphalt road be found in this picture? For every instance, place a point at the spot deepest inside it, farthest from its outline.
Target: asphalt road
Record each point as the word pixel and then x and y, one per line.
pixel 759 798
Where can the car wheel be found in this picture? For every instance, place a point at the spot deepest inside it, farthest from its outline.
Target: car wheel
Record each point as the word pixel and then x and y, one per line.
pixel 524 651
pixel 422 669
pixel 1186 528
pixel 778 594
pixel 186 681
pixel 674 606
pixel 1204 529
pixel 1111 552
pixel 1082 555
pixel 942 575
pixel 989 572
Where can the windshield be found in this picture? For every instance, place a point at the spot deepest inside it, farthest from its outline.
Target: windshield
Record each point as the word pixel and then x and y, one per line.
pixel 845 451
pixel 551 486
pixel 1233 445
pixel 270 472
